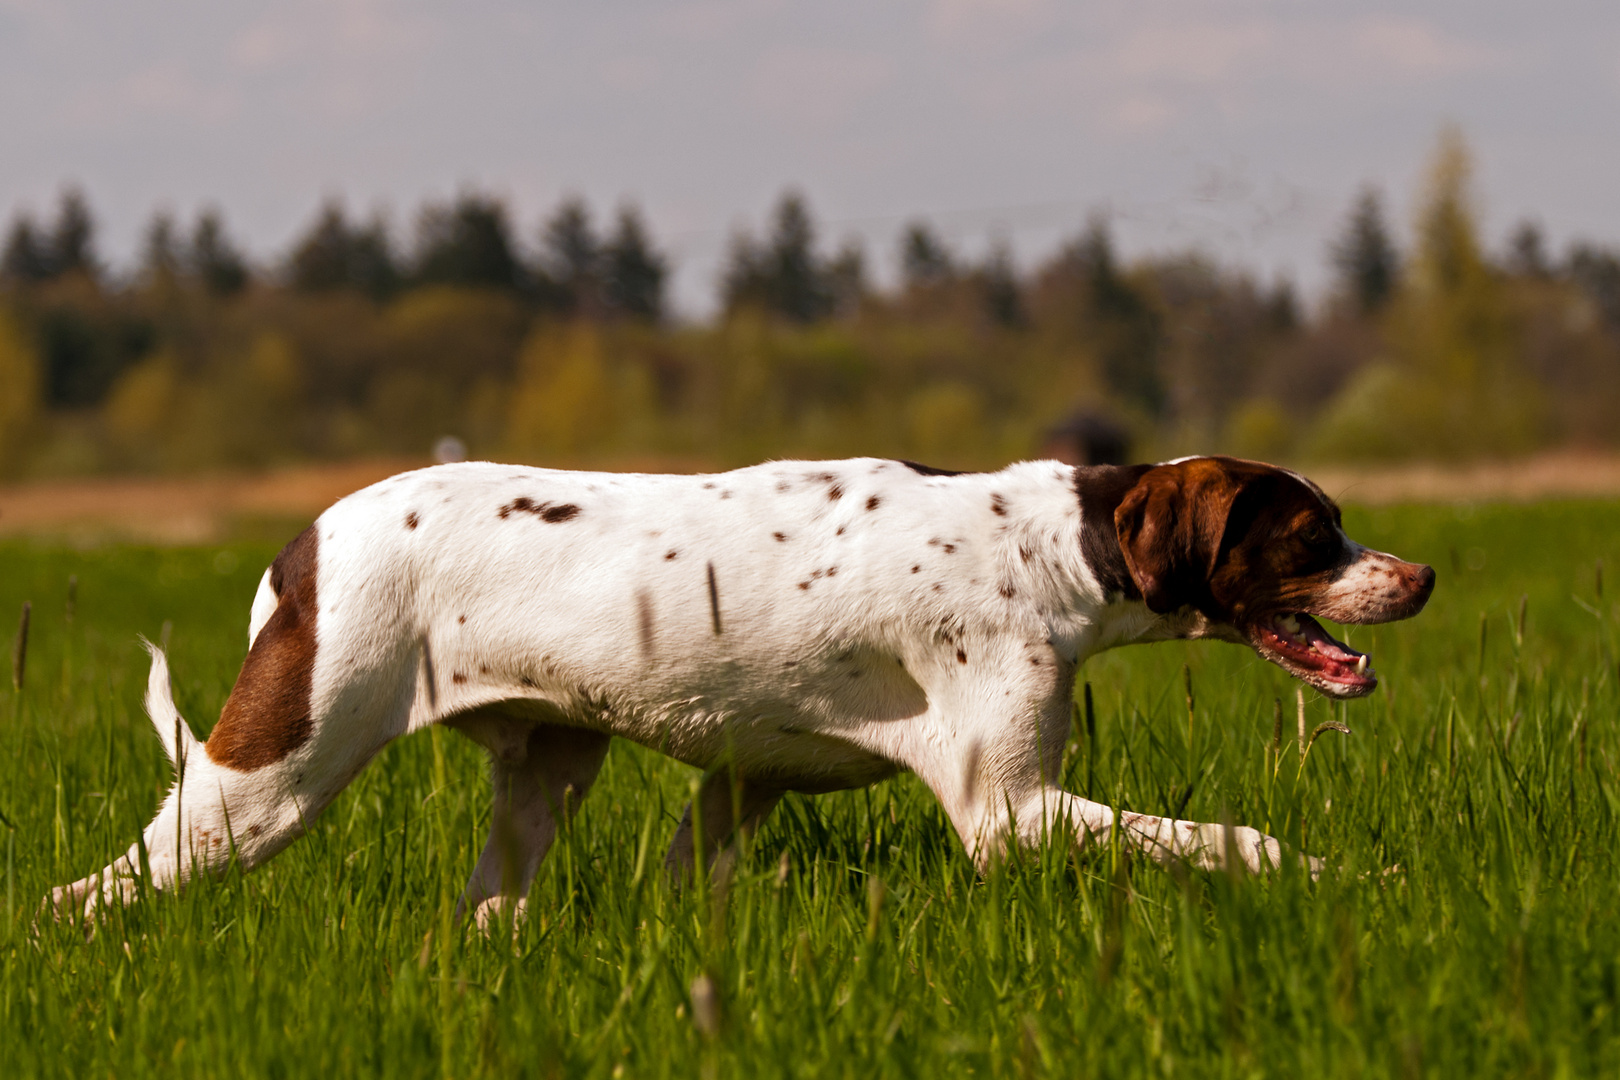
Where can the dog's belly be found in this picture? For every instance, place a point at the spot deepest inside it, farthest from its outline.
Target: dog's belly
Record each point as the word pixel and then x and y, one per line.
pixel 767 750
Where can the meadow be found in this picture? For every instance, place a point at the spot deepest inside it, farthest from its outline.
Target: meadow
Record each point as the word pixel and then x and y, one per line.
pixel 1468 922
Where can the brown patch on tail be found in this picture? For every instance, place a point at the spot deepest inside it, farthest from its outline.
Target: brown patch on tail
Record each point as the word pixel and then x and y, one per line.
pixel 267 715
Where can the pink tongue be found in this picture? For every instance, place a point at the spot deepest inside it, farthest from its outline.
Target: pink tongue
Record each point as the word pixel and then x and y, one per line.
pixel 1313 633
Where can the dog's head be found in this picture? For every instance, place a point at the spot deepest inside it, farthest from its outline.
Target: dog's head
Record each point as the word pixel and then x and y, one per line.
pixel 1258 550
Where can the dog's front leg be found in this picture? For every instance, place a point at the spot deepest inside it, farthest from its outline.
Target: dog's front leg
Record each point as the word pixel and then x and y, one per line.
pixel 727 807
pixel 539 780
pixel 1166 840
pixel 997 781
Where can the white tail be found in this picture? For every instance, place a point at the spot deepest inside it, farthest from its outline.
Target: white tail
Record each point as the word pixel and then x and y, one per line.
pixel 178 740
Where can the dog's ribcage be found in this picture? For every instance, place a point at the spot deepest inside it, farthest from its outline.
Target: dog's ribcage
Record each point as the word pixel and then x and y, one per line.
pixel 783 613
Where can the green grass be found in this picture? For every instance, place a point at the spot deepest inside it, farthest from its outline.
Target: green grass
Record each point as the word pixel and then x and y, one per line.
pixel 855 938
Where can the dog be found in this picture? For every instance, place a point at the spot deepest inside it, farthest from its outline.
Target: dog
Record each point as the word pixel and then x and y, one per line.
pixel 793 626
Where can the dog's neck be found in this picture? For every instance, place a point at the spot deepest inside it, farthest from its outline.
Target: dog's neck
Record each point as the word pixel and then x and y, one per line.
pixel 1093 603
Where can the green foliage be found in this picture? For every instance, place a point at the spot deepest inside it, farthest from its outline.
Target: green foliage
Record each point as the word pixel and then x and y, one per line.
pixel 1450 356
pixel 1452 383
pixel 1464 925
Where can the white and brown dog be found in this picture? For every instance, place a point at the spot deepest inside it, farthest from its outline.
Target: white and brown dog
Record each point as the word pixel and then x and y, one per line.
pixel 788 627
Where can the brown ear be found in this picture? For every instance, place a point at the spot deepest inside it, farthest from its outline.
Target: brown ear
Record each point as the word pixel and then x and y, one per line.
pixel 1170 527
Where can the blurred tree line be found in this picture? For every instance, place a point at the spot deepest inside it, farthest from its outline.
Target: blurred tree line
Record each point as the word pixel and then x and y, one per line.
pixel 560 348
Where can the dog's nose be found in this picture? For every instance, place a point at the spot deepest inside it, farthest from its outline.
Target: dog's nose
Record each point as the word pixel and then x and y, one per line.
pixel 1423 580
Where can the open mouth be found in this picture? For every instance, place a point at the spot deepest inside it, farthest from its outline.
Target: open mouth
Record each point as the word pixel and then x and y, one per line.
pixel 1298 644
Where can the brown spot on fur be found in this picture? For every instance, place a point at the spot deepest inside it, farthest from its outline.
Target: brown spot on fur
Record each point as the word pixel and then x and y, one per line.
pixel 804 584
pixel 998 505
pixel 835 492
pixel 411 520
pixel 526 681
pixel 1007 591
pixel 458 678
pixel 483 669
pixel 670 554
pixel 873 503
pixel 267 715
pixel 840 531
pixel 779 537
pixel 544 511
pixel 831 570
pixel 461 618
pixel 914 569
pixel 950 549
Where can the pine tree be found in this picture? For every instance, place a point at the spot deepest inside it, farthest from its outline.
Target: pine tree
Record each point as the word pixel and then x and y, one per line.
pixel 744 283
pixel 321 260
pixel 998 283
pixel 373 267
pixel 468 243
pixel 1128 328
pixel 161 256
pixel 72 243
pixel 1597 272
pixel 26 259
pixel 1527 252
pixel 797 287
pixel 846 279
pixel 572 257
pixel 924 259
pixel 634 273
pixel 337 255
pixel 215 260
pixel 1365 257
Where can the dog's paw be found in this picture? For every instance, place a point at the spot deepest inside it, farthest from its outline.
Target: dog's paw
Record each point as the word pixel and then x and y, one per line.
pixel 85 901
pixel 494 912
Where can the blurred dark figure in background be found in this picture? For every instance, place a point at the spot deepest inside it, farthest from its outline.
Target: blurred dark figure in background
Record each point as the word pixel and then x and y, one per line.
pixel 1087 438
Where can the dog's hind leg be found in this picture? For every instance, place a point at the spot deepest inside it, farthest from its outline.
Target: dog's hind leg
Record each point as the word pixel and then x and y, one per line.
pixel 287 741
pixel 243 794
pixel 541 773
pixel 728 808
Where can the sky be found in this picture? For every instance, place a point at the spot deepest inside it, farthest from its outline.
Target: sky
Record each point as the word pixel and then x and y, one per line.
pixel 1242 129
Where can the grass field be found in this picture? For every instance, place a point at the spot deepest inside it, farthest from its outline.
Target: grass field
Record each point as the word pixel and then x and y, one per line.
pixel 855 938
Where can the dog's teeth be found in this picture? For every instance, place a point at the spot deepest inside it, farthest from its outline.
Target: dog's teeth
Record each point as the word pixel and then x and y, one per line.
pixel 1361 665
pixel 1290 624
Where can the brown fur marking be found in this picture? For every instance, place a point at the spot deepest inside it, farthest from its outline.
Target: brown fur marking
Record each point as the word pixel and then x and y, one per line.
pixel 267 715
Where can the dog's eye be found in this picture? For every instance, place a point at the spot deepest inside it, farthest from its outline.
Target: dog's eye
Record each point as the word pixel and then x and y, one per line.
pixel 1314 533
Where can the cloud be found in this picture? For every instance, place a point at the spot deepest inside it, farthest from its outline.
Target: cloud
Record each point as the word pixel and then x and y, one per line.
pixel 817 87
pixel 1418 48
pixel 164 90
pixel 973 21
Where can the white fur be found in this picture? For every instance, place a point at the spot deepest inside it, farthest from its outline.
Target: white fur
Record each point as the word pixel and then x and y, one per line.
pixel 929 633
